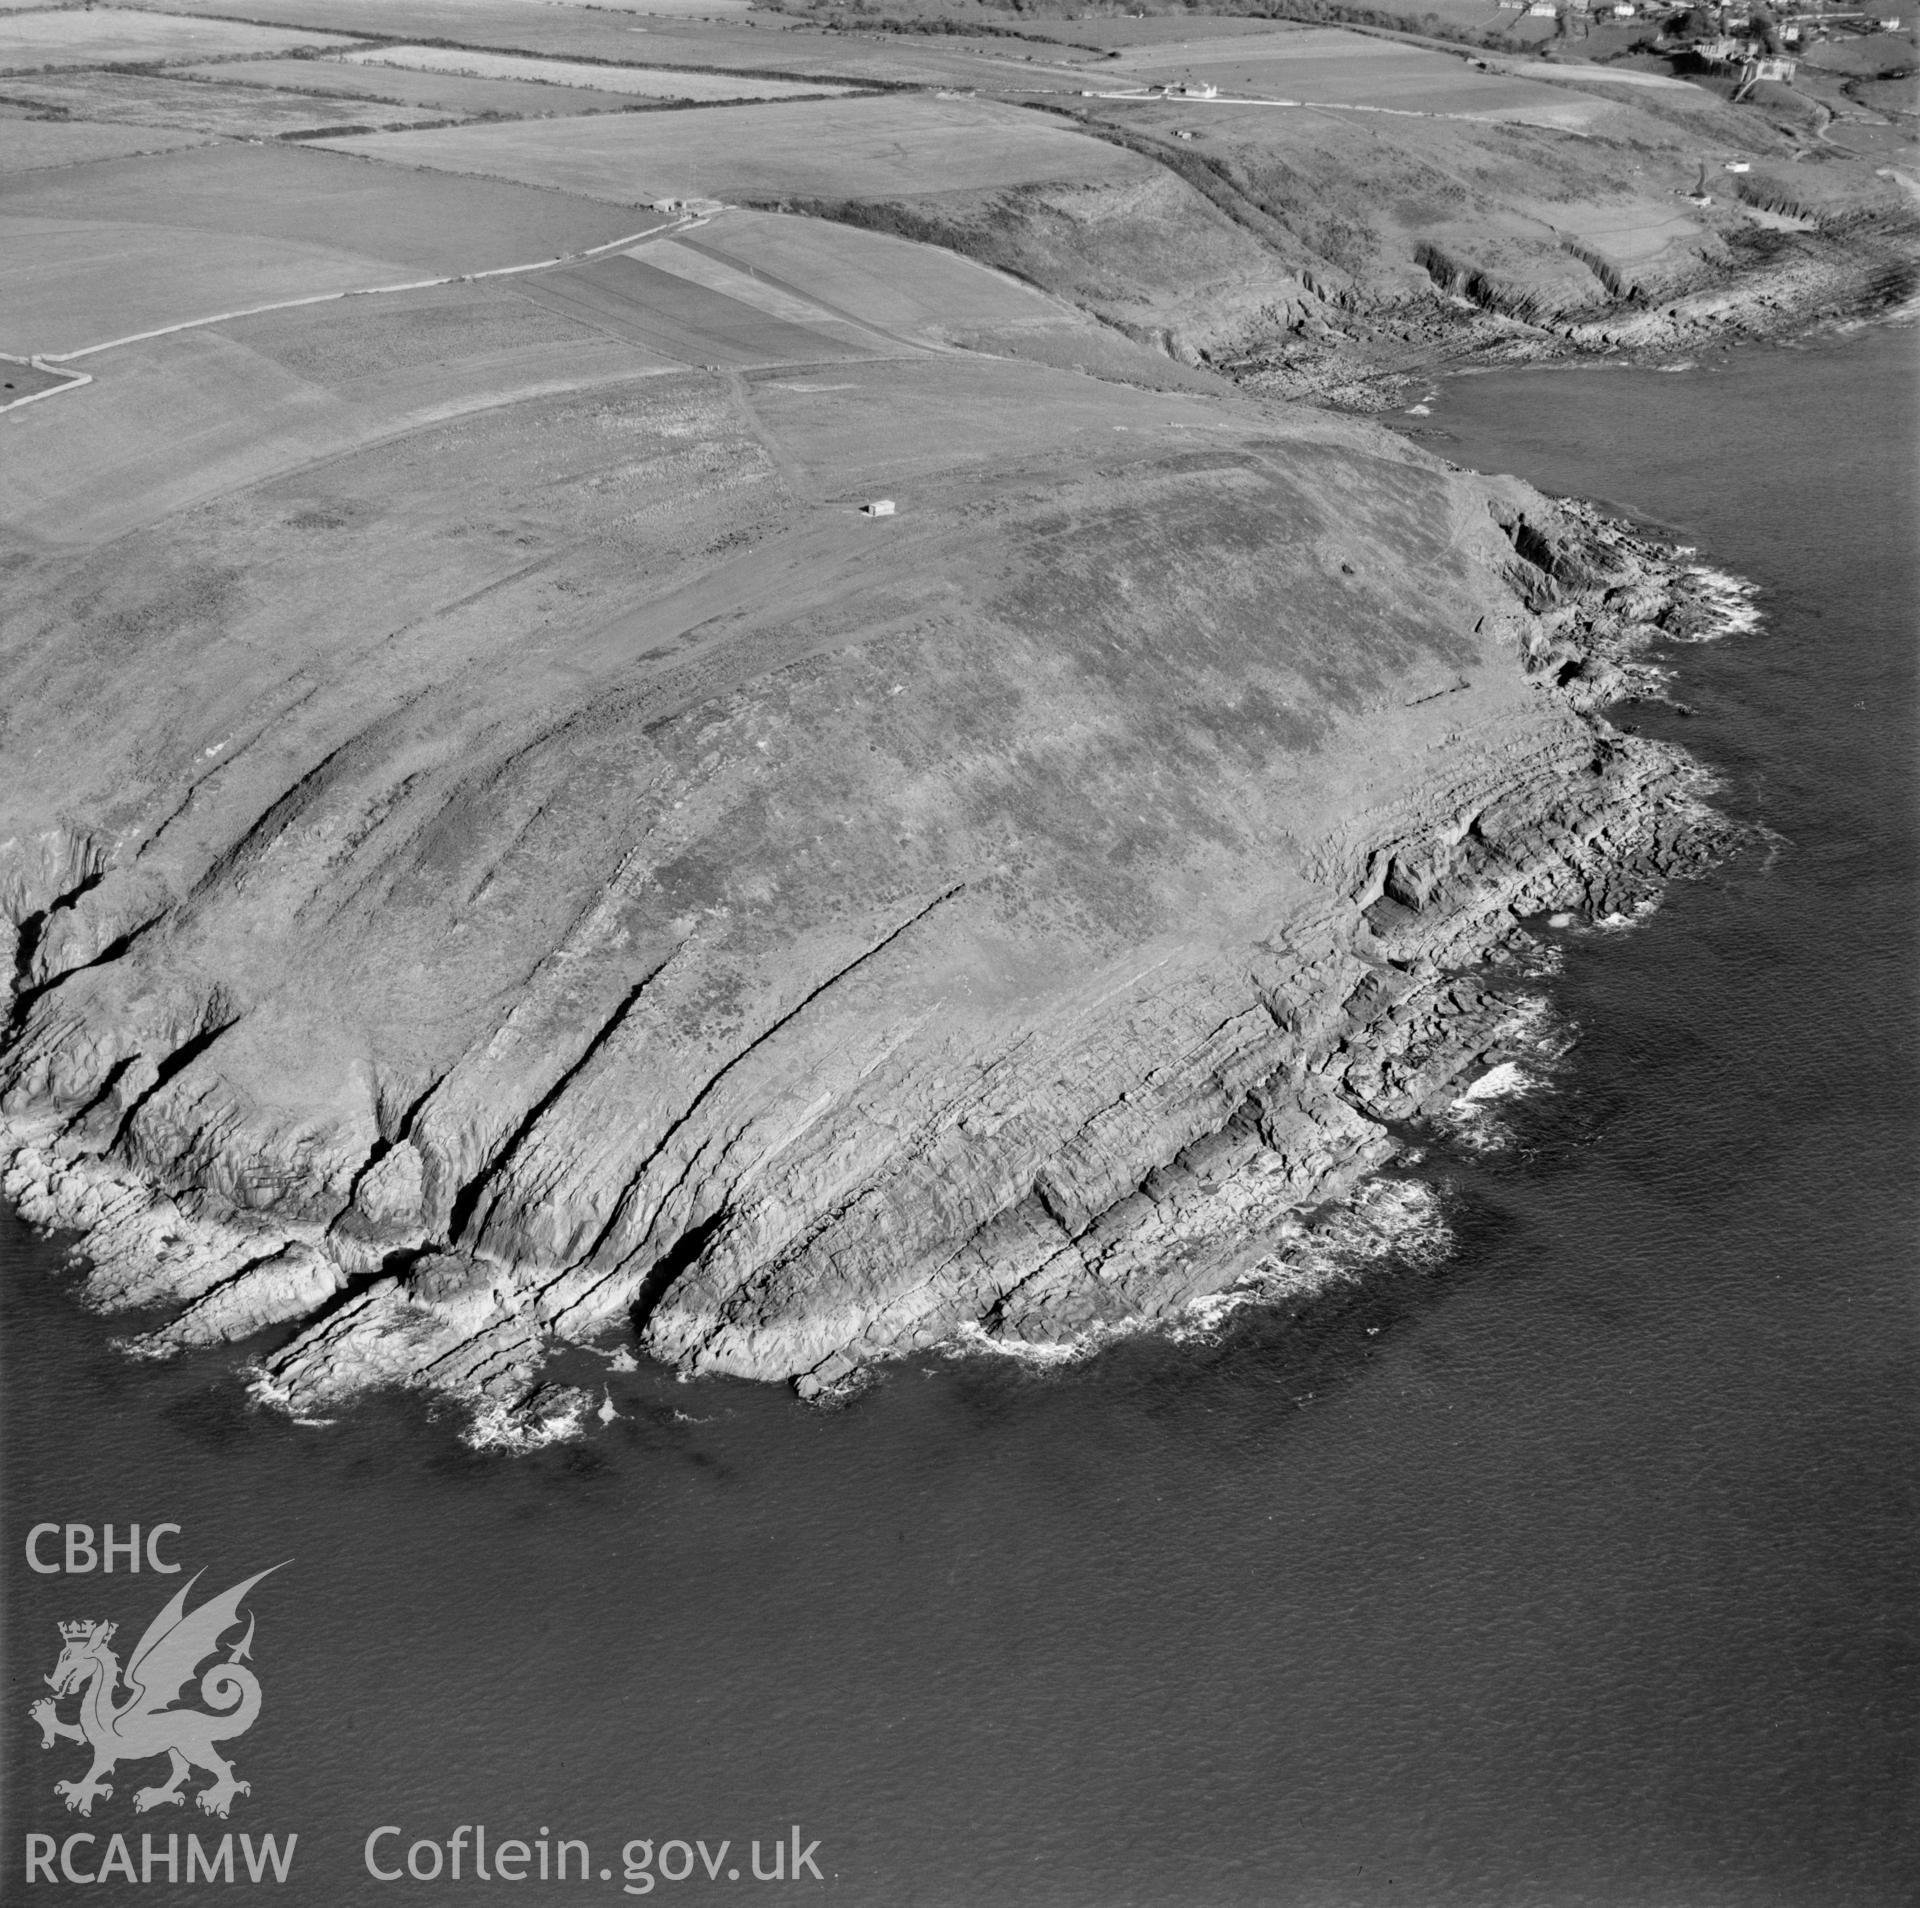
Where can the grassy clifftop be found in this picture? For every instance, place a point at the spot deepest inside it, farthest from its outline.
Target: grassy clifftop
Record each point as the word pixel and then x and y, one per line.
pixel 1341 204
pixel 568 870
pixel 504 844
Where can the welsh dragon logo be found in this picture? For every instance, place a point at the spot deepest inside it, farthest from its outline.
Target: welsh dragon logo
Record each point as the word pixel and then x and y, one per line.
pixel 143 1723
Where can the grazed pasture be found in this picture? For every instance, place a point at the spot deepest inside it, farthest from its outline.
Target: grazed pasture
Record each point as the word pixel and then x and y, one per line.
pixel 637 82
pixel 32 144
pixel 445 95
pixel 86 38
pixel 216 105
pixel 121 247
pixel 815 149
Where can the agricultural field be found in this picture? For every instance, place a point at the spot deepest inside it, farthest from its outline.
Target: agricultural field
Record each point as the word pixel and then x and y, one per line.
pixel 636 82
pixel 1328 67
pixel 830 149
pixel 21 381
pixel 882 292
pixel 1127 33
pixel 700 264
pixel 1131 239
pixel 766 43
pixel 1868 82
pixel 108 250
pixel 162 426
pixel 862 429
pixel 441 95
pixel 232 402
pixel 478 22
pixel 369 345
pixel 172 422
pixel 77 284
pixel 30 143
pixel 215 105
pixel 675 315
pixel 1889 95
pixel 1585 73
pixel 31 41
pixel 1472 21
pixel 908 291
pixel 561 28
pixel 1867 55
pixel 1357 166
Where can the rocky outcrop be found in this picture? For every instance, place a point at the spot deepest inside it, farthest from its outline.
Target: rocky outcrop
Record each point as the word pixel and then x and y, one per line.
pixel 1032 935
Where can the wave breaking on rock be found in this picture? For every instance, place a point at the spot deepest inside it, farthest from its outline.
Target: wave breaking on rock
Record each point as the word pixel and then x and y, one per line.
pixel 1047 937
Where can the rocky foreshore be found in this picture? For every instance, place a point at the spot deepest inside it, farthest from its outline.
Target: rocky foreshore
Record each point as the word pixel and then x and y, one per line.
pixel 1857 276
pixel 1190 1127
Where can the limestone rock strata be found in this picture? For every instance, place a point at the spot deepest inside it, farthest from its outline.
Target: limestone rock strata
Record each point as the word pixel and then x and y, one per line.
pixel 1046 926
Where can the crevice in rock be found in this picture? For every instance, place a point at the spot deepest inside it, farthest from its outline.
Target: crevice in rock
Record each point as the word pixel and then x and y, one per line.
pixel 204 1300
pixel 396 1265
pixel 466 1201
pixel 792 1014
pixel 1603 269
pixel 1461 280
pixel 381 1147
pixel 113 950
pixel 176 1063
pixel 680 1257
pixel 274 822
pixel 114 1075
pixel 1051 1204
pixel 31 931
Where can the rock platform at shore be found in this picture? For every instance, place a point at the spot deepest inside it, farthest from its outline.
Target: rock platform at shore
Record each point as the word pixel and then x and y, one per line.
pixel 1017 935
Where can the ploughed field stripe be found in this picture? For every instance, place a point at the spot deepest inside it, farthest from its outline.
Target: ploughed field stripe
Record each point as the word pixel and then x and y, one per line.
pixel 646 306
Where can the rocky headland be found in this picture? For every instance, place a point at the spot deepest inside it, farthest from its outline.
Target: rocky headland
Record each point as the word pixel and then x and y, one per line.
pixel 506 847
pixel 1031 927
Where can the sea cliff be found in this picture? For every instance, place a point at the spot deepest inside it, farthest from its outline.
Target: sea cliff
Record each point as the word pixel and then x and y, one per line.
pixel 1035 926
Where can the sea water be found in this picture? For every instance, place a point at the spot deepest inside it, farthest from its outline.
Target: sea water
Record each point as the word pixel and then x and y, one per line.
pixel 1577 1569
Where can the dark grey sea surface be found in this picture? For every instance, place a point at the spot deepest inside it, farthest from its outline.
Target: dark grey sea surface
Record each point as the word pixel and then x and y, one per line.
pixel 1579 1570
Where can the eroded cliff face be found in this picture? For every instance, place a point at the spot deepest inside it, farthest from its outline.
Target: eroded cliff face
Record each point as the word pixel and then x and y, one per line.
pixel 1309 255
pixel 570 876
